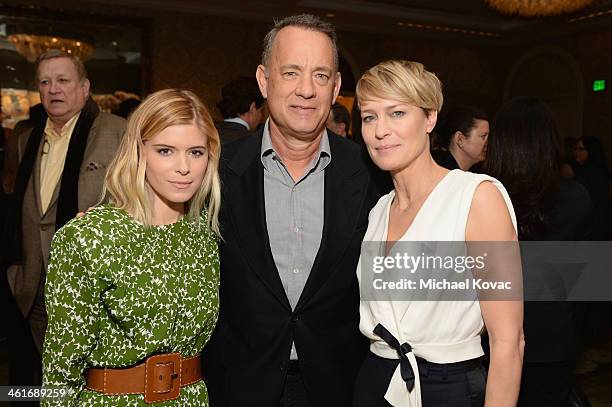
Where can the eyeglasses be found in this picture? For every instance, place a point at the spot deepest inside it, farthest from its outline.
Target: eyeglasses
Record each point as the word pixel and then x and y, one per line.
pixel 46 147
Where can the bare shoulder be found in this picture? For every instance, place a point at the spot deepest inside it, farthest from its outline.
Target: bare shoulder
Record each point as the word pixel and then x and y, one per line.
pixel 489 218
pixel 486 194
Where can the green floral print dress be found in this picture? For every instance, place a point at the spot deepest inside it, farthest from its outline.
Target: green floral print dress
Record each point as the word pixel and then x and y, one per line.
pixel 118 292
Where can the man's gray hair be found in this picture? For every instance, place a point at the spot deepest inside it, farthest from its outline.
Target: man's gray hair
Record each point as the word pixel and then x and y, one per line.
pixel 58 53
pixel 305 21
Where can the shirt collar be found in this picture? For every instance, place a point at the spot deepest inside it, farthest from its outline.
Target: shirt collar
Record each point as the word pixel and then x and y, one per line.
pixel 267 150
pixel 239 121
pixel 66 128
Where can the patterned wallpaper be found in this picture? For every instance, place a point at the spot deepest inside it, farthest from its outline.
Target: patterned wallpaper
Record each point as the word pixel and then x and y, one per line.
pixel 203 52
pixel 465 71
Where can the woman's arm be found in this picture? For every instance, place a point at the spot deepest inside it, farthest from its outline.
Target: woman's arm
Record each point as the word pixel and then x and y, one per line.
pixel 72 303
pixel 489 221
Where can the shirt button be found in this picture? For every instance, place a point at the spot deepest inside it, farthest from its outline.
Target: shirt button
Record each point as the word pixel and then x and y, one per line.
pixel 295 271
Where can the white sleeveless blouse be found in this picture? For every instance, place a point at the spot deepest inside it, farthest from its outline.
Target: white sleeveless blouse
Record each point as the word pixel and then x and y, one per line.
pixel 437 331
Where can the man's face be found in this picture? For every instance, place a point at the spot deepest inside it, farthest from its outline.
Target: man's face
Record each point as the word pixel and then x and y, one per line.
pixel 62 93
pixel 338 128
pixel 300 83
pixel 254 116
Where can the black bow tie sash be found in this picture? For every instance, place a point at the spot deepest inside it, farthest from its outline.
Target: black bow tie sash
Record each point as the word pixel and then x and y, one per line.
pixel 402 350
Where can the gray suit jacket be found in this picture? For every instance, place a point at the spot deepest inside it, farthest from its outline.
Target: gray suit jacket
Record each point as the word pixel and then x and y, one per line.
pixel 38 227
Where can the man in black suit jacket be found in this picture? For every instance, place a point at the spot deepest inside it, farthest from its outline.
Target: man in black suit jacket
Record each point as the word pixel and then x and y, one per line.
pixel 287 334
pixel 242 108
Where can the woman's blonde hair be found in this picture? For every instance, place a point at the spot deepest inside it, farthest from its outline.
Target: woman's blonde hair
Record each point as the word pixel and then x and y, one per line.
pixel 405 81
pixel 125 185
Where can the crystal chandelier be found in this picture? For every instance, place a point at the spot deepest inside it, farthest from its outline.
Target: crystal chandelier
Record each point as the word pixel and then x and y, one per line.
pixel 31 46
pixel 538 8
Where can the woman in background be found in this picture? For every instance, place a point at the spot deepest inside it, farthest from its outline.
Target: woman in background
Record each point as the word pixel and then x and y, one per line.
pixel 427 353
pixel 132 287
pixel 525 155
pixel 462 137
pixel 591 170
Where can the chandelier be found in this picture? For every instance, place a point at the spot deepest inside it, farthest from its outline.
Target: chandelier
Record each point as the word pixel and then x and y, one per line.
pixel 538 8
pixel 31 46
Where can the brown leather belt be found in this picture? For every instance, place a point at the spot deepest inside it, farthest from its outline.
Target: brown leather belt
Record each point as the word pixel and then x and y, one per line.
pixel 159 377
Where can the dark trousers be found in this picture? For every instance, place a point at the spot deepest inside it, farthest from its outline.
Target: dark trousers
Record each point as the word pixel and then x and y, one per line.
pixel 459 384
pixel 546 384
pixel 25 365
pixel 24 359
pixel 294 392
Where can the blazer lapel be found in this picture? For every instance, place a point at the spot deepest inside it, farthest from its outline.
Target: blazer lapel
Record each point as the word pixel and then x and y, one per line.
pixel 36 179
pixel 244 199
pixel 345 187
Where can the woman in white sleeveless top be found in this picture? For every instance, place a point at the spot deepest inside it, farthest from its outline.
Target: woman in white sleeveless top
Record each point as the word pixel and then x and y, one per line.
pixel 437 340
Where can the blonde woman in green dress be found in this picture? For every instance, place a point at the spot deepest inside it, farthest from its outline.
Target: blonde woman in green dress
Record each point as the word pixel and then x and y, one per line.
pixel 132 286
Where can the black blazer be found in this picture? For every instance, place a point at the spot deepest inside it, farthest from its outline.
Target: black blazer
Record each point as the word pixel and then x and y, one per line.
pixel 246 360
pixel 230 131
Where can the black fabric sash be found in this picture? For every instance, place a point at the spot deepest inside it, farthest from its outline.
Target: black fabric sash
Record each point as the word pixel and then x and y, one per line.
pixel 67 205
pixel 402 350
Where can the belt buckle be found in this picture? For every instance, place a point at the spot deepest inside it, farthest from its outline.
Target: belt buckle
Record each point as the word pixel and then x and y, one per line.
pixel 162 377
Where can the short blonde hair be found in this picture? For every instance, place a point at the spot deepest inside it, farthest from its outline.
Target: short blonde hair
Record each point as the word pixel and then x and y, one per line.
pixel 405 81
pixel 125 185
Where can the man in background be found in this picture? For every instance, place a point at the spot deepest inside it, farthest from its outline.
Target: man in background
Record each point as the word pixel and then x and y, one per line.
pixel 63 155
pixel 339 120
pixel 242 108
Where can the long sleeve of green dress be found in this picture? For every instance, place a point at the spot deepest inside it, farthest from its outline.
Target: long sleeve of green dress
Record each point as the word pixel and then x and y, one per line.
pixel 118 292
pixel 73 310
